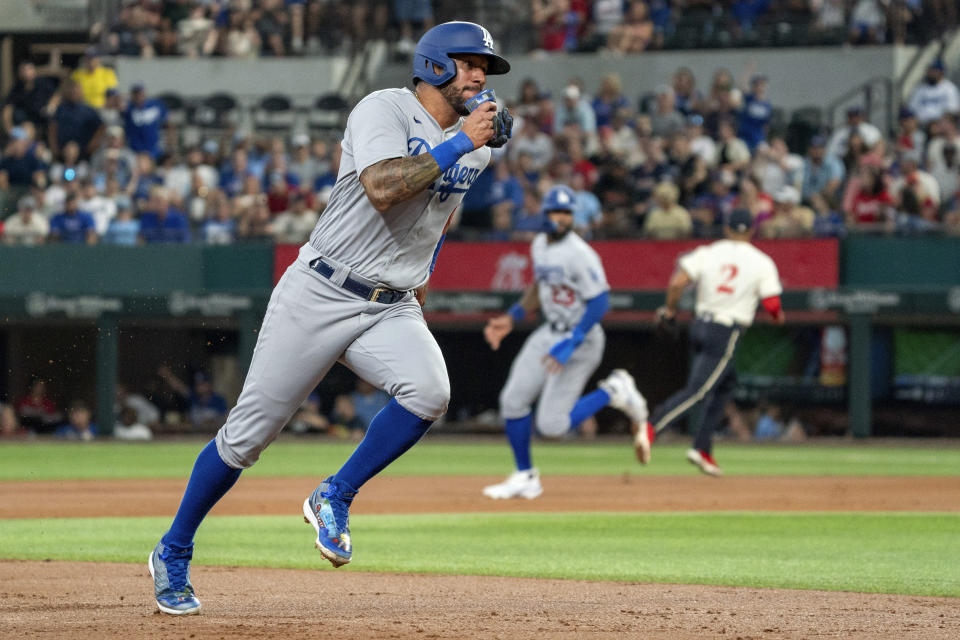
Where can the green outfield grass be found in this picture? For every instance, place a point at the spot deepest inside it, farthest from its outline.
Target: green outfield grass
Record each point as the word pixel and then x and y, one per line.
pixel 59 460
pixel 884 553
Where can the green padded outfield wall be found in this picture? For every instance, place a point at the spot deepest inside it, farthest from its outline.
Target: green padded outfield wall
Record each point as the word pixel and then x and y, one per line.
pixel 900 262
pixel 136 271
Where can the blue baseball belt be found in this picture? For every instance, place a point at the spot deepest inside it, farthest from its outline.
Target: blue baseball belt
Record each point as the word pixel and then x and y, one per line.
pixel 382 295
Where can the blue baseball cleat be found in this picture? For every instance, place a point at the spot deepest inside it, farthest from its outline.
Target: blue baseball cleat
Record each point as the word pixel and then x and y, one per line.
pixel 171 580
pixel 328 510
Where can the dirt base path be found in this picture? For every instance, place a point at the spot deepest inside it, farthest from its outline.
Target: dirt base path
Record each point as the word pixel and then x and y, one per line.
pixel 96 601
pixel 114 601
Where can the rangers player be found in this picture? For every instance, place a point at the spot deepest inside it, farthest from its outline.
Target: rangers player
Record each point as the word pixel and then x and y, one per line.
pixel 731 276
pixel 571 291
pixel 352 294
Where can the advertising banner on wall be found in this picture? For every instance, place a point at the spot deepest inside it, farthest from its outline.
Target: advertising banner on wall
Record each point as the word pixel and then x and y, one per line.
pixel 630 265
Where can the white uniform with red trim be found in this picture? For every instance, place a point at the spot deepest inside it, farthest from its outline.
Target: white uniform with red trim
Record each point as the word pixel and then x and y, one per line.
pixel 732 277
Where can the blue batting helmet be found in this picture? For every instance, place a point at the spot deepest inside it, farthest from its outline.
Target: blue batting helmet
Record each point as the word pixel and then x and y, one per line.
pixel 559 198
pixel 438 43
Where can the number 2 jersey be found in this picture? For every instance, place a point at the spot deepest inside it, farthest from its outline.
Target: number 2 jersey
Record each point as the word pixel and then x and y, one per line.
pixel 568 273
pixel 732 276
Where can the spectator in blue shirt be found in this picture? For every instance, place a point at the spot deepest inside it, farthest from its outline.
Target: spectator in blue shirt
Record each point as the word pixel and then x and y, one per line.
pixel 574 111
pixel 73 226
pixel 234 175
pixel 161 222
pixel 124 229
pixel 529 219
pixel 609 100
pixel 822 177
pixel 220 227
pixel 747 13
pixel 78 426
pixel 505 186
pixel 143 122
pixel 325 180
pixel 687 98
pixel 147 177
pixel 368 401
pixel 756 113
pixel 208 409
pixel 587 212
pixel 20 167
pixel 75 120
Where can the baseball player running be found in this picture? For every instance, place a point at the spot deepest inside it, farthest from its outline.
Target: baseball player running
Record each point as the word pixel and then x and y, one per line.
pixel 571 291
pixel 351 296
pixel 731 276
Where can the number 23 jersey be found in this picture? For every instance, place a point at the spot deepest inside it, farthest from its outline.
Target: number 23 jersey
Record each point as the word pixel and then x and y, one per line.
pixel 568 273
pixel 732 276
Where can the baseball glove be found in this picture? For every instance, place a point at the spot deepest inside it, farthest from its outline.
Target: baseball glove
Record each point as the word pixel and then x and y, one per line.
pixel 667 325
pixel 502 128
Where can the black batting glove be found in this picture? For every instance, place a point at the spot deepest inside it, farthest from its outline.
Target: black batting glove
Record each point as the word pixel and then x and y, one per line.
pixel 502 128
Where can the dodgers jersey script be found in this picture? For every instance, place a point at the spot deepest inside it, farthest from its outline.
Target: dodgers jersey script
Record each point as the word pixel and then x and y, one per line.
pixel 732 277
pixel 568 272
pixel 394 248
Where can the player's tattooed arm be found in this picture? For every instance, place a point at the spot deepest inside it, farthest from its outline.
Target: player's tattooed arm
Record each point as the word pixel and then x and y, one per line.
pixel 396 180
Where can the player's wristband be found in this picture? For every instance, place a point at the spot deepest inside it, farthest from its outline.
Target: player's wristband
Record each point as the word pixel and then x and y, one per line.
pixel 447 153
pixel 517 312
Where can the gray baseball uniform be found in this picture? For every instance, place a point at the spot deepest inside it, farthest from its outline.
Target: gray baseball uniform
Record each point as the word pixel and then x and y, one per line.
pixel 313 320
pixel 568 273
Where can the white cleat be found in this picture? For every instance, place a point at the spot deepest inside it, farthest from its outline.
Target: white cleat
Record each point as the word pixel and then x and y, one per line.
pixel 705 462
pixel 625 396
pixel 520 484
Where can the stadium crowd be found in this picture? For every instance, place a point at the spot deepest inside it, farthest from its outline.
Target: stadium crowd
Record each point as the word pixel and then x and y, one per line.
pixel 253 28
pixel 82 163
pixel 168 404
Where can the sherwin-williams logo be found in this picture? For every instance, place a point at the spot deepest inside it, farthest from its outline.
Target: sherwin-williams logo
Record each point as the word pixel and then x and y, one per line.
pixel 41 304
pixel 456 179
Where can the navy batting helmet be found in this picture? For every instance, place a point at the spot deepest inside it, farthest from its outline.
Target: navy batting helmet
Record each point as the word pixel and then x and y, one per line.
pixel 438 43
pixel 559 198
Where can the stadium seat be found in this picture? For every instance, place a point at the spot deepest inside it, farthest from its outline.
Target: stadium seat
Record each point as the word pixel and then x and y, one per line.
pixel 329 111
pixel 274 113
pixel 176 107
pixel 217 112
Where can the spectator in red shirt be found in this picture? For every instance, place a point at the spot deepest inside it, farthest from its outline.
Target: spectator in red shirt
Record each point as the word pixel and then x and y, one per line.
pixel 911 137
pixel 36 410
pixel 871 207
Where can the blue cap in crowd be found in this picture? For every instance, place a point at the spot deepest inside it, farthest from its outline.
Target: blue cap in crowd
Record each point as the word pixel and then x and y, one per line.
pixel 818 141
pixel 906 112
pixel 938 65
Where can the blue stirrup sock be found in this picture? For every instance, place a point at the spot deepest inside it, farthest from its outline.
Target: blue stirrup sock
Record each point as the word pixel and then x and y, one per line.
pixel 391 433
pixel 210 481
pixel 519 432
pixel 588 405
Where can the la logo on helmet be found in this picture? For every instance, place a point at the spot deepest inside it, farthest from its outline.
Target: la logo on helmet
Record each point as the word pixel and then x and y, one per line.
pixel 487 38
